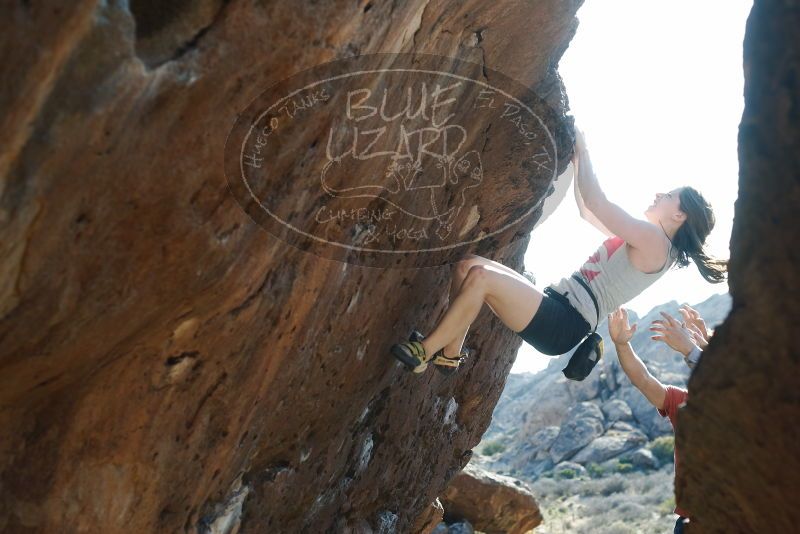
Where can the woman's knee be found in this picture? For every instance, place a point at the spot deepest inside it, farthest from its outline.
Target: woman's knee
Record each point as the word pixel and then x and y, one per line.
pixel 463 266
pixel 477 277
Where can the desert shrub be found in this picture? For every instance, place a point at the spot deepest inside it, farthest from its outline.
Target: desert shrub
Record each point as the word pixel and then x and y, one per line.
pixel 617 527
pixel 612 486
pixel 566 473
pixel 595 470
pixel 624 468
pixel 629 511
pixel 646 485
pixel 663 448
pixel 493 447
pixel 546 487
pixel 614 504
pixel 560 491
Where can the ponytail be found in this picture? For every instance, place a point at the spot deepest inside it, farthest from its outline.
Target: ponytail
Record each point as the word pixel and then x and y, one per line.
pixel 690 238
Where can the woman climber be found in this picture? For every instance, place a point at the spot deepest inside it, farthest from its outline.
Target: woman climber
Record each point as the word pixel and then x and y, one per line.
pixel 636 254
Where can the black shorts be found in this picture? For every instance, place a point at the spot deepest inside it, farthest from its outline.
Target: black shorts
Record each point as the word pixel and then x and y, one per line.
pixel 556 327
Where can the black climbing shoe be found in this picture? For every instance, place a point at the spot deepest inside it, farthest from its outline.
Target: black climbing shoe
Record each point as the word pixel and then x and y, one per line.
pixel 416 335
pixel 412 354
pixel 443 364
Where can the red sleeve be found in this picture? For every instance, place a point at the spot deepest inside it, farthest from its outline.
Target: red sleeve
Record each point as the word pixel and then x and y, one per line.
pixel 674 398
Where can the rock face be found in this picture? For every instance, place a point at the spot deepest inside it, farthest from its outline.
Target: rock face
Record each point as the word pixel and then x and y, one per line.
pixel 165 364
pixel 579 430
pixel 544 419
pixel 617 410
pixel 738 433
pixel 610 445
pixel 643 458
pixel 430 519
pixel 492 503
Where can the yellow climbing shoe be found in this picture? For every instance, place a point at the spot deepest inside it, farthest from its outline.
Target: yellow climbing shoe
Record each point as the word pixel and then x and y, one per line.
pixel 444 364
pixel 412 354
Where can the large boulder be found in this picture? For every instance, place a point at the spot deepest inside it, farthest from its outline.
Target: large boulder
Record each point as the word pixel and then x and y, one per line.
pixel 643 459
pixel 569 470
pixel 167 365
pixel 550 392
pixel 543 440
pixel 533 456
pixel 612 444
pixel 586 409
pixel 574 436
pixel 622 426
pixel 617 410
pixel 492 503
pixel 738 434
pixel 537 467
pixel 428 522
pixel 646 416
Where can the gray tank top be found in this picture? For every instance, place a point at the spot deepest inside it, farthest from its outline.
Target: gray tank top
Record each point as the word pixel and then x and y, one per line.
pixel 613 279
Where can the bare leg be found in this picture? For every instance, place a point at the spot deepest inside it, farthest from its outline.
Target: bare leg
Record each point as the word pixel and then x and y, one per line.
pixel 512 297
pixel 453 349
pixel 460 270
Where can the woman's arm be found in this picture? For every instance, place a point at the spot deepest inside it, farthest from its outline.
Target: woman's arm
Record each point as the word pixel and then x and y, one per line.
pixel 584 211
pixel 636 232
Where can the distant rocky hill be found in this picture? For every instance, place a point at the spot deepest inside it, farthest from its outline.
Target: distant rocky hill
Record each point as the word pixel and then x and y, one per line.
pixel 543 419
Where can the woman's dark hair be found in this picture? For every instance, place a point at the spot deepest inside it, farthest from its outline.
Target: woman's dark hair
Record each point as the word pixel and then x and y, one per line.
pixel 690 238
